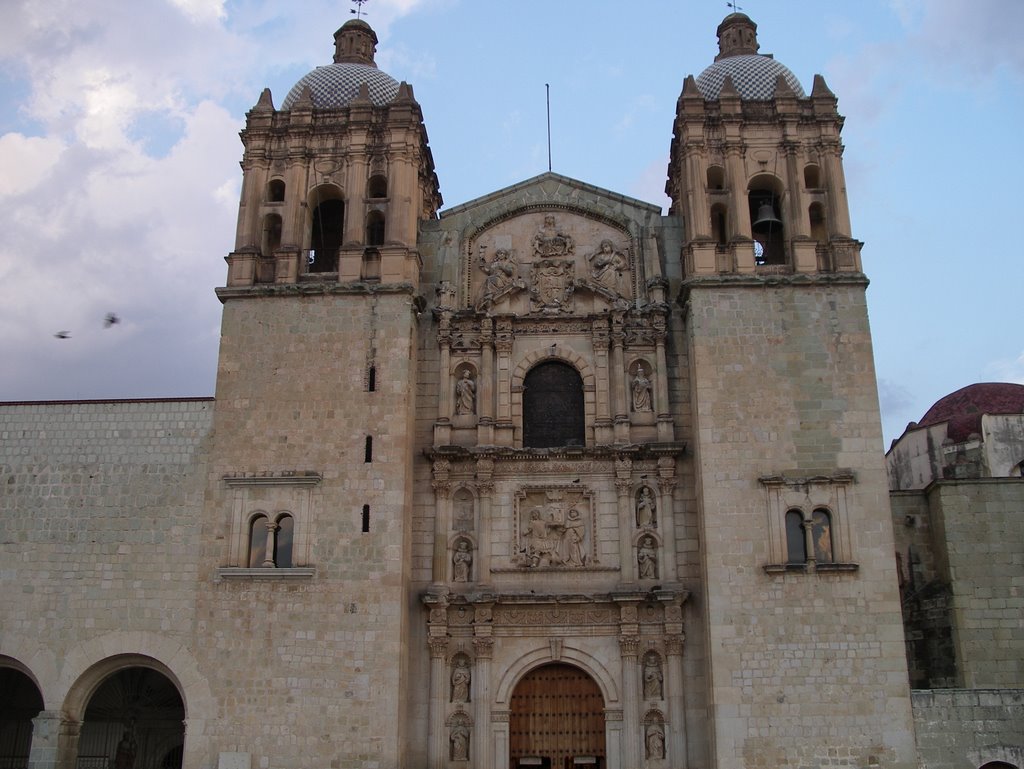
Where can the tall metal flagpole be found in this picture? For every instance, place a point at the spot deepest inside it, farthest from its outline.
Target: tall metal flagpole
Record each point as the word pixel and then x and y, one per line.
pixel 547 89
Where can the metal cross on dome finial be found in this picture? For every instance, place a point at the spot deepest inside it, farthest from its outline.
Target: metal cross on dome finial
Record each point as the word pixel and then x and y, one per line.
pixel 735 8
pixel 358 10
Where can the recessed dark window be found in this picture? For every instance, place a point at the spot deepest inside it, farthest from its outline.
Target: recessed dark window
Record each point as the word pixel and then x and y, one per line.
pixel 553 412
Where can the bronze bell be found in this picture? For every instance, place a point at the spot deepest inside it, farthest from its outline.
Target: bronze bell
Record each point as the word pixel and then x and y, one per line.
pixel 766 219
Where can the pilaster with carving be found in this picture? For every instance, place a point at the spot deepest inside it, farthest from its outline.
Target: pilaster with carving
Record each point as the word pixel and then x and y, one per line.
pixel 485 489
pixel 667 482
pixel 442 518
pixel 623 487
pixel 437 642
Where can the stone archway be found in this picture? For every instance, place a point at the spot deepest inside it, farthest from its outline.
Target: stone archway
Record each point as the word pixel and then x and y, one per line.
pixel 133 720
pixel 556 715
pixel 20 702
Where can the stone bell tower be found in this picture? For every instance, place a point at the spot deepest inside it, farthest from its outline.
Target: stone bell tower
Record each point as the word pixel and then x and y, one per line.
pixel 803 626
pixel 306 546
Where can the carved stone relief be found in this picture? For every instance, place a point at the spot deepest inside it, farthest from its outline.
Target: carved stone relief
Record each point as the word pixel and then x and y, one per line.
pixel 641 389
pixel 555 527
pixel 546 246
pixel 652 676
pixel 646 509
pixel 465 394
pixel 461 679
pixel 462 562
pixel 647 558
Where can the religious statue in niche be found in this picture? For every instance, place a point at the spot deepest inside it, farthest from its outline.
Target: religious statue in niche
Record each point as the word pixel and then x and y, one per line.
pixel 462 562
pixel 552 285
pixel 607 265
pixel 461 679
pixel 459 741
pixel 465 394
pixel 646 509
pixel 555 534
pixel 446 295
pixel 551 241
pixel 654 741
pixel 641 390
pixel 652 676
pixel 647 558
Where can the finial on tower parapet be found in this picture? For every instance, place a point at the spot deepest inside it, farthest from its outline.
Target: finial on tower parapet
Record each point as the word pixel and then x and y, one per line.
pixel 358 10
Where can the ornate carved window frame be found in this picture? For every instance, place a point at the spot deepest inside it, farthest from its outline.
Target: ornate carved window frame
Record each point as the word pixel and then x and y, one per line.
pixel 786 492
pixel 293 494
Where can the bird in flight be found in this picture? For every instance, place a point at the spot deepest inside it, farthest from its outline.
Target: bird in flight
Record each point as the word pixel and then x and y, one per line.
pixel 63 335
pixel 110 320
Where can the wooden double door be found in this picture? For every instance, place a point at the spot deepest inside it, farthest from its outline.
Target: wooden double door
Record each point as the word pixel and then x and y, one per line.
pixel 557 720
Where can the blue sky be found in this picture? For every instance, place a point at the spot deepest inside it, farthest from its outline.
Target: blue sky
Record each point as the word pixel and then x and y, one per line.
pixel 119 155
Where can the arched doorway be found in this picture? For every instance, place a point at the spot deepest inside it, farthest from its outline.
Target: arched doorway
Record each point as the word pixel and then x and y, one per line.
pixel 557 717
pixel 553 409
pixel 134 720
pixel 19 704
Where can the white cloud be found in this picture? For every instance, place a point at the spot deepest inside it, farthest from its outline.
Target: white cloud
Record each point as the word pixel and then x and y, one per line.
pixel 201 11
pixel 26 161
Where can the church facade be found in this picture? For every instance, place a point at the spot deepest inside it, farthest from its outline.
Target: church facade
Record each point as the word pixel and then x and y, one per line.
pixel 545 479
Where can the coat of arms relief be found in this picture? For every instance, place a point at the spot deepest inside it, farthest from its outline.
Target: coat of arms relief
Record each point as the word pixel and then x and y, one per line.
pixel 549 269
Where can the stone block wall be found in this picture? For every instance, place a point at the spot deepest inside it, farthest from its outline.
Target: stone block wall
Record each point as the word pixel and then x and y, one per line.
pixel 100 506
pixel 807 666
pixel 968 728
pixel 312 661
pixel 980 527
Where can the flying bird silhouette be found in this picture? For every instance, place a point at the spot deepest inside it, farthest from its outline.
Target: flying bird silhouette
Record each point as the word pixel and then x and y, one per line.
pixel 110 320
pixel 62 335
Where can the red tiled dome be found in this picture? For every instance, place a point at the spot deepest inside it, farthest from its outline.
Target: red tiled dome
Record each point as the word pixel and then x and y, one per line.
pixel 963 409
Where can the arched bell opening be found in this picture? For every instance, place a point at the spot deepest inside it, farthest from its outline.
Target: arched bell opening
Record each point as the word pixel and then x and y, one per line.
pixel 556 719
pixel 327 228
pixel 21 702
pixel 133 720
pixel 766 225
pixel 275 191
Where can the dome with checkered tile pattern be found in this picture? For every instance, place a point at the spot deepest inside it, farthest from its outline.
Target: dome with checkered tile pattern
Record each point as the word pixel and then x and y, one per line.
pixel 336 85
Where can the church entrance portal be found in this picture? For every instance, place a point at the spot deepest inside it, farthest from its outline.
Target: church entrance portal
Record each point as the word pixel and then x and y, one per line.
pixel 557 720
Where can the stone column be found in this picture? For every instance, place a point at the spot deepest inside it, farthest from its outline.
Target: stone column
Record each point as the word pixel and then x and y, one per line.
pixel 442 519
pixel 666 429
pixel 485 488
pixel 500 736
pixel 504 431
pixel 485 386
pixel 700 212
pixel 798 224
pixel 437 640
pixel 628 647
pixel 624 485
pixel 483 645
pixel 268 555
pixel 67 744
pixel 46 729
pixel 676 702
pixel 666 517
pixel 613 739
pixel 618 381
pixel 835 181
pixel 603 411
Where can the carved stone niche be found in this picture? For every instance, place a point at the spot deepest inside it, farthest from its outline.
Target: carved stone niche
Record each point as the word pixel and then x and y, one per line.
pixel 555 527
